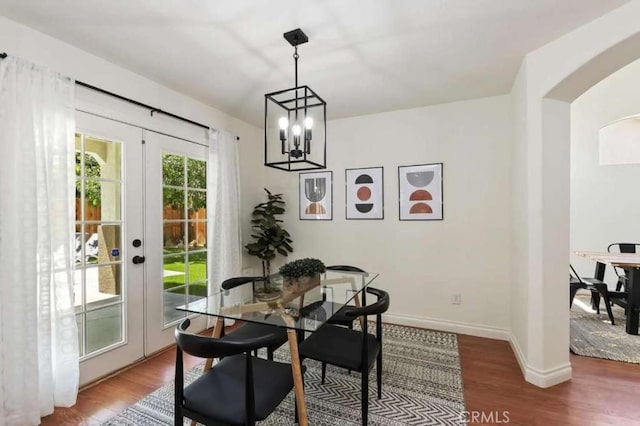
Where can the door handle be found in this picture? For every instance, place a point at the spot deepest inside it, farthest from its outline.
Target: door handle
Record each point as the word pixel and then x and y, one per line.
pixel 138 259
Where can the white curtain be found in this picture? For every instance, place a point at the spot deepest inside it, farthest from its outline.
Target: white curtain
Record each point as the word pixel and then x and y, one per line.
pixel 225 253
pixel 38 333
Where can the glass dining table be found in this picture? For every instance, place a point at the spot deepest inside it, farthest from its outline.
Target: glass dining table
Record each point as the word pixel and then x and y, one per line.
pixel 298 308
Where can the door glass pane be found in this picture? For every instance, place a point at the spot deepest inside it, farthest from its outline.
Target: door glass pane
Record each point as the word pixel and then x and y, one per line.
pixel 197 235
pixel 173 298
pixel 197 290
pixel 184 231
pixel 103 285
pixel 103 158
pixel 197 266
pixel 98 282
pixel 173 201
pixel 172 170
pixel 197 173
pixel 173 237
pixel 173 271
pixel 78 289
pixel 79 322
pixel 105 245
pixel 197 204
pixel 104 327
pixel 102 200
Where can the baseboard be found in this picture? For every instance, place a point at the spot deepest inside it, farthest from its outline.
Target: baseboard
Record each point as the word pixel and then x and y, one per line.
pixel 537 377
pixel 449 326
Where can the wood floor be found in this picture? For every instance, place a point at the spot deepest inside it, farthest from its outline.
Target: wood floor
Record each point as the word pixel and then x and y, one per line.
pixel 601 392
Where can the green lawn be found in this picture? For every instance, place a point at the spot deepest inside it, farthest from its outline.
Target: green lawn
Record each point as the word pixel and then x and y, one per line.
pixel 197 271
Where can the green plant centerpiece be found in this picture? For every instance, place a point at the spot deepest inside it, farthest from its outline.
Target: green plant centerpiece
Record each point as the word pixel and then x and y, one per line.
pixel 302 274
pixel 270 238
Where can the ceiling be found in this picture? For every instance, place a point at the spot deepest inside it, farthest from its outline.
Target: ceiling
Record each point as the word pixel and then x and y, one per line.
pixel 363 56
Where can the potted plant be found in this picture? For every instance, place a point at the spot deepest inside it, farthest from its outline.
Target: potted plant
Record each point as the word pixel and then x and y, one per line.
pixel 302 273
pixel 270 237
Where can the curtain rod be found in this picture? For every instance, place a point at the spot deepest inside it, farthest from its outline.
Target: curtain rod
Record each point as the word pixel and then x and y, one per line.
pixel 133 101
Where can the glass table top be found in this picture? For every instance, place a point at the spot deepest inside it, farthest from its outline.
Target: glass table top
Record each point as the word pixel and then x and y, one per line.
pixel 302 306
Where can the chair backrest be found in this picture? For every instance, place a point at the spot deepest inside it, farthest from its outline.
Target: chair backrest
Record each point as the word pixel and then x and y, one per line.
pixel 208 347
pixel 379 307
pixel 230 283
pixel 622 248
pixel 347 268
pixel 573 274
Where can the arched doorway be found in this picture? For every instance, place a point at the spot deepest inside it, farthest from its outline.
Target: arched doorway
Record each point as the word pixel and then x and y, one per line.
pixel 549 80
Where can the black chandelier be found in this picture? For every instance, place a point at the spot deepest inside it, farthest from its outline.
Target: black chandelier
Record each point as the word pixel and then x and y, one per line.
pixel 295 126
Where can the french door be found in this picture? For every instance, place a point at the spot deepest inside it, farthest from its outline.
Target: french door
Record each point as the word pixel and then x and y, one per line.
pixel 175 233
pixel 141 247
pixel 108 287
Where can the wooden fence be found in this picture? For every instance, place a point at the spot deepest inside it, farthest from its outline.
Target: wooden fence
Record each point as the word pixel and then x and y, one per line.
pixel 173 232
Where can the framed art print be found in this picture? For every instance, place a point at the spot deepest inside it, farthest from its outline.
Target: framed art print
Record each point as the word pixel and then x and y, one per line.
pixel 364 193
pixel 420 191
pixel 316 196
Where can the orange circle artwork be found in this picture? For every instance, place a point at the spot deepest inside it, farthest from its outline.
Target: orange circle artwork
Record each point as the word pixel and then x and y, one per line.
pixel 364 193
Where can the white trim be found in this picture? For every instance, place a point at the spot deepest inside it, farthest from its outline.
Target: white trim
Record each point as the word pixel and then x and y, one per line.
pixel 449 326
pixel 540 378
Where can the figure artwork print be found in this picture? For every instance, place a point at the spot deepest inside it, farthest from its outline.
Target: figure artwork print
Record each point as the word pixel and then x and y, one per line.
pixel 364 193
pixel 420 190
pixel 316 196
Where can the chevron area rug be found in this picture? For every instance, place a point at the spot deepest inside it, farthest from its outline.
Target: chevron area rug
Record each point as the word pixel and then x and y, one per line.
pixel 421 385
pixel 593 335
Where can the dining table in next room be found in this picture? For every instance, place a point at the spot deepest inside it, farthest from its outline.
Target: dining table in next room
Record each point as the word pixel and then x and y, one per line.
pixel 630 262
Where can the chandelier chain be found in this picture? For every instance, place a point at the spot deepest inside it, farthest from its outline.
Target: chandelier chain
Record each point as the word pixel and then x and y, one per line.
pixel 295 58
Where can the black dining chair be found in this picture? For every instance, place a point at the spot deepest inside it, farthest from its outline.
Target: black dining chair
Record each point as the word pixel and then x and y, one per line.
pixel 599 289
pixel 621 273
pixel 251 330
pixel 239 390
pixel 339 318
pixel 355 350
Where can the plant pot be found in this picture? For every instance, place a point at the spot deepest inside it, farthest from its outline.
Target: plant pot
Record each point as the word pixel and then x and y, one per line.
pixel 263 296
pixel 301 284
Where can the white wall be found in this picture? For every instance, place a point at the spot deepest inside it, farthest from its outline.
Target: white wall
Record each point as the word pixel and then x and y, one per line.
pixel 423 263
pixel 19 40
pixel 604 204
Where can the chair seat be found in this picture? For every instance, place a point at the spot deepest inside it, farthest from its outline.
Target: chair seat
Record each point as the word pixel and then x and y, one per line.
pixel 253 329
pixel 339 346
pixel 341 317
pixel 219 394
pixel 321 309
pixel 592 281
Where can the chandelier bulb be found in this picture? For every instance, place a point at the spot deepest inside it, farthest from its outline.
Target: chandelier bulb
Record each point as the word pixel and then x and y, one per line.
pixel 308 123
pixel 283 123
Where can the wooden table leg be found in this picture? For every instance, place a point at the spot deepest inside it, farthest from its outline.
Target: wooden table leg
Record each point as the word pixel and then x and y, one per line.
pixel 217 332
pixel 298 385
pixel 356 300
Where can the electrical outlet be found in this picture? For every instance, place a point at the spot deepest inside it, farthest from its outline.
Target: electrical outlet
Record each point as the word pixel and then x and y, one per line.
pixel 456 299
